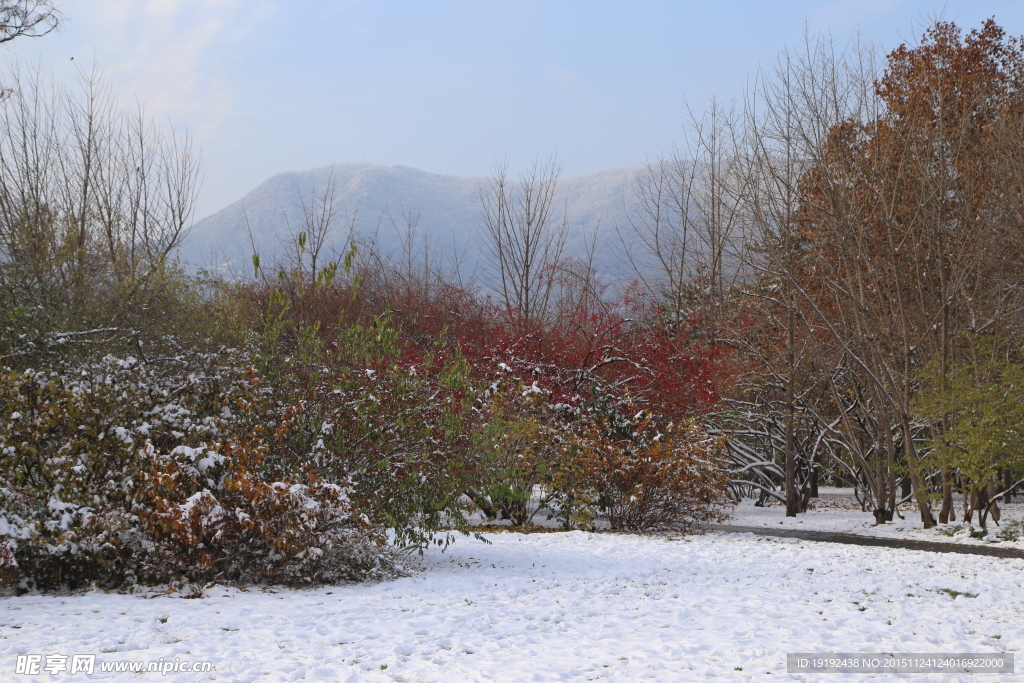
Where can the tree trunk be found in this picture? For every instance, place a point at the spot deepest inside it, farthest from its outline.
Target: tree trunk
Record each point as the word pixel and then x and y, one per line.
pixel 919 490
pixel 970 504
pixel 993 506
pixel 792 495
pixel 947 498
pixel 983 506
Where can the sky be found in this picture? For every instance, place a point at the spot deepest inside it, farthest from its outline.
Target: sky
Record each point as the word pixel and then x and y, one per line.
pixel 266 86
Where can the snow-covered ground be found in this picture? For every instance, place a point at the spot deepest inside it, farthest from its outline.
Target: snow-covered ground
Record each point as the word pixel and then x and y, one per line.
pixel 552 607
pixel 837 510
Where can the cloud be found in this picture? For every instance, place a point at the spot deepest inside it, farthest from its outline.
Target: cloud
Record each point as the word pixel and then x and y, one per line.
pixel 171 54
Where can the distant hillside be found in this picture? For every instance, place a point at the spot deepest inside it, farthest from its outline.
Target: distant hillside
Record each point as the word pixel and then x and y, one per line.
pixel 448 208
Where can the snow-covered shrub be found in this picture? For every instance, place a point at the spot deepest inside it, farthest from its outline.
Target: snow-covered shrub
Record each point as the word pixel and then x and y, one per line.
pixel 246 528
pixel 8 565
pixel 645 476
pixel 73 447
pixel 127 471
pixel 396 421
pixel 525 443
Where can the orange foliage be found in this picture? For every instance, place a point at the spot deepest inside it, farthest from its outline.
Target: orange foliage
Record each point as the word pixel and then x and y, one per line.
pixel 251 529
pixel 651 477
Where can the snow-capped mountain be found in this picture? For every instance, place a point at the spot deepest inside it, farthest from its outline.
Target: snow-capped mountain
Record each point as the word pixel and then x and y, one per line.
pixel 379 198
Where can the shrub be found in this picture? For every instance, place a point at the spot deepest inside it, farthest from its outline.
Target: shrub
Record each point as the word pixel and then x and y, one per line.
pixel 72 452
pixel 246 528
pixel 8 565
pixel 127 471
pixel 647 477
pixel 370 407
pixel 525 443
pixel 1013 531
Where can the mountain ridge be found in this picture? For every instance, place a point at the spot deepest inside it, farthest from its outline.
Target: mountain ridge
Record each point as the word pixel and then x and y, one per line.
pixel 448 209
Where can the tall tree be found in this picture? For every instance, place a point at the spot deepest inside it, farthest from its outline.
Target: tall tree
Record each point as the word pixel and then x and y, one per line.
pixel 525 239
pixel 900 224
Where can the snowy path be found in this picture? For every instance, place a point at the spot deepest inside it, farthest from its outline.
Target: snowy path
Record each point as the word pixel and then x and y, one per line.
pixel 806 534
pixel 556 606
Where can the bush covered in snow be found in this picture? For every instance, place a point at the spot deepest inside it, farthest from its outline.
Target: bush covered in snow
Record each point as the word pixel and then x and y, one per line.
pixel 129 472
pixel 400 421
pixel 333 433
pixel 589 459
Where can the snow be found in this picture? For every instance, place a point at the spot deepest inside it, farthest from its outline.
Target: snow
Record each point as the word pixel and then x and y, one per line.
pixel 556 606
pixel 837 510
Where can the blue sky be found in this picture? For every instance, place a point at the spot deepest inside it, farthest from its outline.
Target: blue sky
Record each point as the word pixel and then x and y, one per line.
pixel 266 86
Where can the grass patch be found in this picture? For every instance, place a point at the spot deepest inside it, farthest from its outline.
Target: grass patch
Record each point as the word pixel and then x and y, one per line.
pixel 954 593
pixel 975 533
pixel 1011 531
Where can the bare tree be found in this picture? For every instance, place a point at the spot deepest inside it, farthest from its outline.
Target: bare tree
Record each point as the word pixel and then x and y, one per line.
pixel 525 241
pixel 312 250
pixel 93 201
pixel 27 18
pixel 683 230
pixel 656 239
pixel 793 114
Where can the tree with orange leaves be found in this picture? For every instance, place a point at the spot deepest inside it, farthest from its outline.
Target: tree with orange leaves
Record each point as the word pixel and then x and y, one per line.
pixel 904 234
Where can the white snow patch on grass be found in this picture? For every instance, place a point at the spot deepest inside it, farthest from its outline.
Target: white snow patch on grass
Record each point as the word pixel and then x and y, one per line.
pixel 556 606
